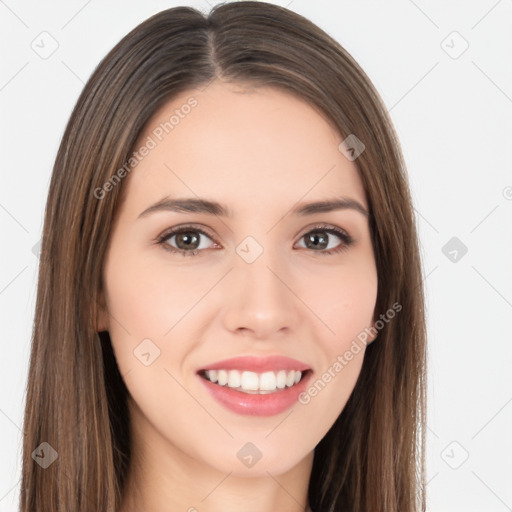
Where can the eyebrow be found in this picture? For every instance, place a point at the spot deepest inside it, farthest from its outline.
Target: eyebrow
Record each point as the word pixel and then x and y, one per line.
pixel 198 205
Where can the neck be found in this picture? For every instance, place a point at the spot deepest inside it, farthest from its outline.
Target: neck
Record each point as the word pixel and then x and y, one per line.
pixel 162 477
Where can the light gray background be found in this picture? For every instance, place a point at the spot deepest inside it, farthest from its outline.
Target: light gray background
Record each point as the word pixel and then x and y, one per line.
pixel 453 114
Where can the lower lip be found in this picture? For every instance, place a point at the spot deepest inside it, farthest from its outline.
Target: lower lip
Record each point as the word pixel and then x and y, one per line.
pixel 253 404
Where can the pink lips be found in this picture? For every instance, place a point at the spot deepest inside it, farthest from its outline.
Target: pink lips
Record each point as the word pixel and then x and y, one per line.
pixel 256 404
pixel 258 364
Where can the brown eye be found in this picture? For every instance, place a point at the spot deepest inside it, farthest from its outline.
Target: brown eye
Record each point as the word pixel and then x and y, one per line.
pixel 321 238
pixel 187 241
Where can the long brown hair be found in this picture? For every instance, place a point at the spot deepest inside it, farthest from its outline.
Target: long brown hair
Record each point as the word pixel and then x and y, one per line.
pixel 372 459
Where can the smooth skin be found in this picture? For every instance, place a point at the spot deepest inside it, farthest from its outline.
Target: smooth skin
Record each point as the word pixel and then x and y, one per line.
pixel 260 152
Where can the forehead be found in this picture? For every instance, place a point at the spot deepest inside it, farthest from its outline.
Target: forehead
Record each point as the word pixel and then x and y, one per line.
pixel 244 147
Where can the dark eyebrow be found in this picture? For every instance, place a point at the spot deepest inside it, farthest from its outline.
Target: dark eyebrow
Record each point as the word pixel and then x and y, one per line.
pixel 196 205
pixel 343 203
pixel 188 205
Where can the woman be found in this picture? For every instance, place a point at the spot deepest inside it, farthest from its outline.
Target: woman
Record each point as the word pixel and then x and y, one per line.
pixel 281 363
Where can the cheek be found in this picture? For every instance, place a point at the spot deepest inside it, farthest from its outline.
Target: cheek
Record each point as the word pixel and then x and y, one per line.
pixel 139 310
pixel 349 310
pixel 346 308
pixel 145 304
pixel 345 302
pixel 148 299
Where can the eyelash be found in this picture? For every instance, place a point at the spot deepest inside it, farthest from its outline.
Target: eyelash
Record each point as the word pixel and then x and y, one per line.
pixel 162 239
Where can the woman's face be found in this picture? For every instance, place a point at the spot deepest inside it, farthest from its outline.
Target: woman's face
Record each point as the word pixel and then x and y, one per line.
pixel 254 274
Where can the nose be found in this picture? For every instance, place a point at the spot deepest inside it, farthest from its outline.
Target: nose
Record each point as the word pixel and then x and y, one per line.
pixel 260 298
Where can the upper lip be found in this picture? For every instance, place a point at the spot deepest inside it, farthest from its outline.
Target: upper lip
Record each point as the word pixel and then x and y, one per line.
pixel 257 364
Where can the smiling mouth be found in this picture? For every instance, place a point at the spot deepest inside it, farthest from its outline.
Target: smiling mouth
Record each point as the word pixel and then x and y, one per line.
pixel 262 383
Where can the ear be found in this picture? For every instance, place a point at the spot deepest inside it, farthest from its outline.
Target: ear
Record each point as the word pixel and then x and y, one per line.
pixel 102 317
pixel 371 339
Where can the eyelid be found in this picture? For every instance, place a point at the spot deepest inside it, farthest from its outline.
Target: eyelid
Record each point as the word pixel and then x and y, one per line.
pixel 176 230
pixel 324 226
pixel 183 227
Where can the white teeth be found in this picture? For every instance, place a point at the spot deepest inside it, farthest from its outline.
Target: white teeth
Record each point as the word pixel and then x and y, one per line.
pixel 249 381
pixel 222 377
pixel 233 379
pixel 268 381
pixel 281 379
pixel 253 382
